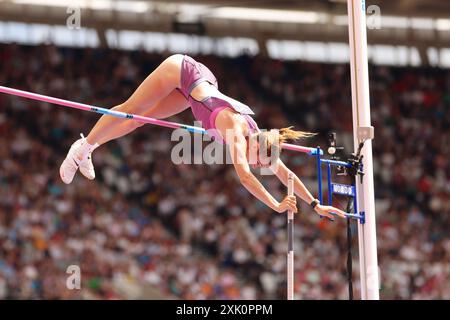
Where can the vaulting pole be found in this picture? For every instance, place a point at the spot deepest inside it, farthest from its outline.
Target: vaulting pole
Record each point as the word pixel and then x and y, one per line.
pixel 290 252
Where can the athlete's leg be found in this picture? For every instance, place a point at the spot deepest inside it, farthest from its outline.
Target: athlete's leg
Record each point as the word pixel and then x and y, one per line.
pixel 159 84
pixel 172 104
pixel 156 86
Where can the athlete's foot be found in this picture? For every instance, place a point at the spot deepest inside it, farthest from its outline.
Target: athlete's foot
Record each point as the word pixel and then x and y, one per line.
pixel 79 156
pixel 87 167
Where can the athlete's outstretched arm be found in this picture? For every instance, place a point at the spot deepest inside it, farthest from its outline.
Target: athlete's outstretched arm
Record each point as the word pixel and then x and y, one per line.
pixel 238 149
pixel 229 127
pixel 300 190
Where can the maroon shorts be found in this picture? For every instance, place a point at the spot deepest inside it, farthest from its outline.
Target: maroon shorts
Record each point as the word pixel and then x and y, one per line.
pixel 192 74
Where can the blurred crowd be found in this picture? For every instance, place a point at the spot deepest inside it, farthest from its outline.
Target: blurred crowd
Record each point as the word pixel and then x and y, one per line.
pixel 192 231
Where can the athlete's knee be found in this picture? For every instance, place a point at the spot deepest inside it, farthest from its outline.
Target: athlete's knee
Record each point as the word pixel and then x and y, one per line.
pixel 138 124
pixel 133 124
pixel 130 106
pixel 123 107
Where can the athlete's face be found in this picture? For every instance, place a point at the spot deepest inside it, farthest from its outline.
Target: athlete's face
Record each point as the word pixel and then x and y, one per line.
pixel 254 157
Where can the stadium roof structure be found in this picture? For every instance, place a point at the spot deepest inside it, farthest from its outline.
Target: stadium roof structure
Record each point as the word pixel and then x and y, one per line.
pixel 418 23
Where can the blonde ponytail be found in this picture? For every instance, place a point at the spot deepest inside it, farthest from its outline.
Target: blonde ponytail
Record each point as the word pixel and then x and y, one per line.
pixel 289 134
pixel 273 139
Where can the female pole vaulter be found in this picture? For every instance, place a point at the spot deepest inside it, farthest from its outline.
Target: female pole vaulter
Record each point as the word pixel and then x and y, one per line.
pixel 178 83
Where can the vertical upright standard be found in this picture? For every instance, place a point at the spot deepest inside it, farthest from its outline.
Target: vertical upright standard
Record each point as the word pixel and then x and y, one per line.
pixel 290 252
pixel 361 123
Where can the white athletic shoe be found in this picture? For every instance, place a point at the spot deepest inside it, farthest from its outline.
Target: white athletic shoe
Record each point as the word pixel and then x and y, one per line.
pixel 75 159
pixel 87 168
